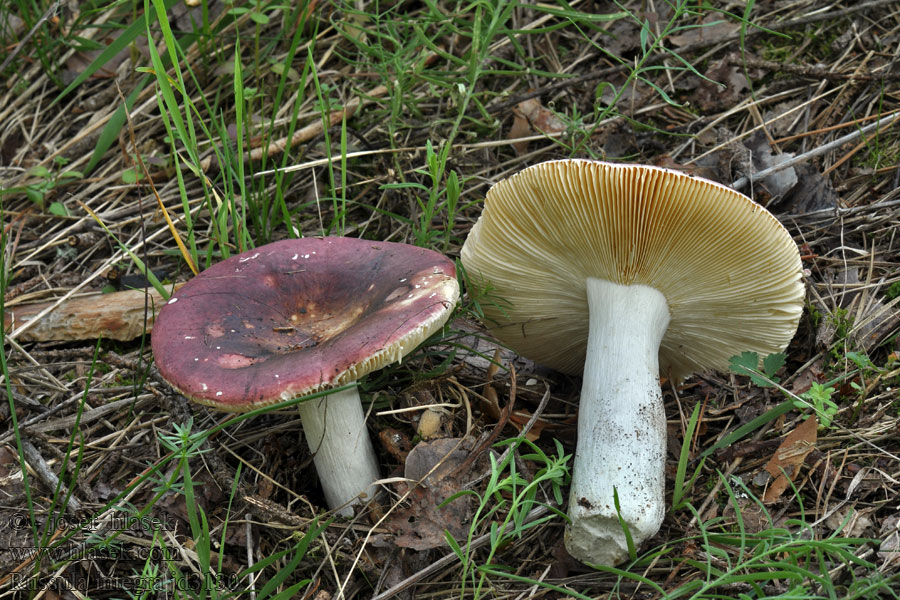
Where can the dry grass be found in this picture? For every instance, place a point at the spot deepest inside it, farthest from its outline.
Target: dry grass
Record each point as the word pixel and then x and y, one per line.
pixel 544 84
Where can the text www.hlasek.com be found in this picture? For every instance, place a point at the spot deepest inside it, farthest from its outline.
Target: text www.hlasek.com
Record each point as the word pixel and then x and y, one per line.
pixel 187 582
pixel 81 551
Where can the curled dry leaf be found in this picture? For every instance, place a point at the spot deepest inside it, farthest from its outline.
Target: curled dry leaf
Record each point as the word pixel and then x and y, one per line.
pixel 851 522
pixel 814 373
pixel 785 463
pixel 520 418
pixel 725 85
pixel 699 169
pixel 519 129
pixel 490 405
pixel 813 192
pixel 421 524
pixel 11 23
pixel 889 549
pixel 763 157
pixel 395 442
pixel 530 116
pixel 750 513
pixel 712 29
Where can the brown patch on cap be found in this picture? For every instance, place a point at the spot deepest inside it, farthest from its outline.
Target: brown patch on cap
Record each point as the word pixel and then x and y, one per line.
pixel 297 316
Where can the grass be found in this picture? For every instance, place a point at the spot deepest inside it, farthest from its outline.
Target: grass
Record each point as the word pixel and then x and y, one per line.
pixel 505 506
pixel 182 138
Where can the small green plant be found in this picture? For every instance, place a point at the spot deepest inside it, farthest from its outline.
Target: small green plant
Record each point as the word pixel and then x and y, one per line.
pixel 786 556
pixel 679 492
pixel 255 13
pixel 818 397
pixel 747 363
pixel 862 361
pixel 893 291
pixel 443 193
pixel 185 444
pixel 842 323
pixel 41 190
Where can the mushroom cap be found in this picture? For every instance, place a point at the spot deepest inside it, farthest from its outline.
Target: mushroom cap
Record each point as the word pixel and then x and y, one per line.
pixel 298 316
pixel 730 272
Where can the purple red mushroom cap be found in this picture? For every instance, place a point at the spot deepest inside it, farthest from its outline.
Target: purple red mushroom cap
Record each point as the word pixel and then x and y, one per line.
pixel 299 316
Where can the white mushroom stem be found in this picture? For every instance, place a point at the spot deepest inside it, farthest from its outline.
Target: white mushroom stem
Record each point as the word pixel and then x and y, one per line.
pixel 335 429
pixel 621 424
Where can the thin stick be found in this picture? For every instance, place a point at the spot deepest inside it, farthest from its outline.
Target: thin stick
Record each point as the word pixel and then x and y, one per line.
pixel 811 132
pixel 248 525
pixel 47 477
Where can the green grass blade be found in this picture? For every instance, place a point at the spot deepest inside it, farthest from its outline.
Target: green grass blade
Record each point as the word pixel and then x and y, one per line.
pixel 110 133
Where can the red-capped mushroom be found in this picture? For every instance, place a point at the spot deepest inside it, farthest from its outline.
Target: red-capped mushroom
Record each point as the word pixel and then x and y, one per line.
pixel 299 316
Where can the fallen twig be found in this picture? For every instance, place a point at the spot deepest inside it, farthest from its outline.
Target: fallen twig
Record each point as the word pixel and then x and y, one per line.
pixel 118 316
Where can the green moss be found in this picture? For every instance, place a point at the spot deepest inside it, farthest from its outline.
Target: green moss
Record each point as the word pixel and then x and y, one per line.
pixel 893 291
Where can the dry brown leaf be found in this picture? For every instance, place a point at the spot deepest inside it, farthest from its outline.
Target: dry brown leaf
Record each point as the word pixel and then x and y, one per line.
pixel 713 29
pixel 446 454
pixel 812 374
pixel 520 128
pixel 494 367
pixel 541 119
pixel 851 522
pixel 9 461
pixel 706 171
pixel 724 87
pixel 531 116
pixel 875 322
pixel 12 24
pixel 813 191
pixel 889 549
pixel 623 37
pixel 520 418
pixel 753 516
pixel 781 117
pixel 395 442
pixel 490 403
pixel 421 525
pixel 763 156
pixel 785 463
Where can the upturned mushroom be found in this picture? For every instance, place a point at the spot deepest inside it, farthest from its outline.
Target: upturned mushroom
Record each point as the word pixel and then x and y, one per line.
pixel 301 316
pixel 623 273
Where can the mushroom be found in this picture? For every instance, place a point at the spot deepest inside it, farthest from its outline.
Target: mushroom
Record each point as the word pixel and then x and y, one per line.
pixel 297 317
pixel 624 272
